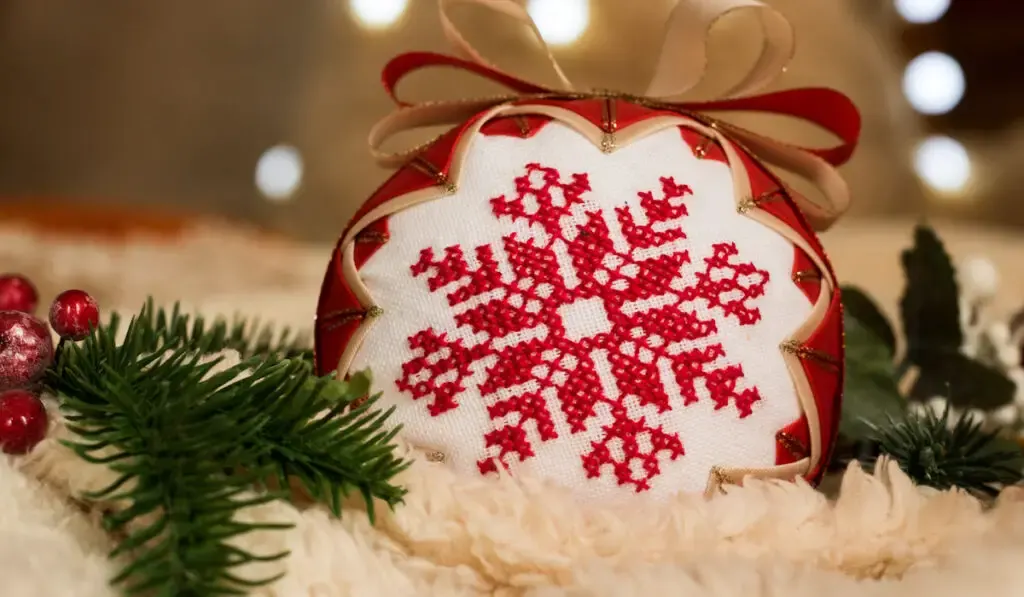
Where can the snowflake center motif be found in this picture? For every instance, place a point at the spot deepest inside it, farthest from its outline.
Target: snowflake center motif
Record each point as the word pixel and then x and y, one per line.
pixel 579 324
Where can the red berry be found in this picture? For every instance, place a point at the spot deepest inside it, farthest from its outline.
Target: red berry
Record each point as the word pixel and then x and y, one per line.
pixel 23 421
pixel 17 293
pixel 74 314
pixel 26 349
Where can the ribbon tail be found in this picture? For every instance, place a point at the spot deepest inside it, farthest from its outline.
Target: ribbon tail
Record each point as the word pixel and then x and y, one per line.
pixel 807 165
pixel 828 109
pixel 416 117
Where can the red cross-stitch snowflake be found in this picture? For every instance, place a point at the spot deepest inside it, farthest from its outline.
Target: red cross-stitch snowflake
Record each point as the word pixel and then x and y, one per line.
pixel 576 324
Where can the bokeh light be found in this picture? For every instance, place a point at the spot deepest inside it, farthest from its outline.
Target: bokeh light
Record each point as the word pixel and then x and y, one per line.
pixel 561 22
pixel 934 83
pixel 378 14
pixel 279 172
pixel 943 164
pixel 920 12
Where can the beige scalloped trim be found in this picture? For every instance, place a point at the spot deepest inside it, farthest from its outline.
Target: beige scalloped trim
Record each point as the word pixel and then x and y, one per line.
pixel 609 142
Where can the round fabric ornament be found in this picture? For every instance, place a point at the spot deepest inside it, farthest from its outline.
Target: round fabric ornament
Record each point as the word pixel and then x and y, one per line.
pixel 595 290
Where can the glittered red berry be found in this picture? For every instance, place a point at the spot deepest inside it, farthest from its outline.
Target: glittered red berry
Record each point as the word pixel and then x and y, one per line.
pixel 74 314
pixel 23 421
pixel 17 293
pixel 26 349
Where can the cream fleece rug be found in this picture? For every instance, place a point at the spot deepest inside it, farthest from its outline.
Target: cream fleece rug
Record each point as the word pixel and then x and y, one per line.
pixel 473 537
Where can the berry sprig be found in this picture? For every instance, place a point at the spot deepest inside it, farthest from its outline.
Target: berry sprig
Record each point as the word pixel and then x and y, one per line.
pixel 26 352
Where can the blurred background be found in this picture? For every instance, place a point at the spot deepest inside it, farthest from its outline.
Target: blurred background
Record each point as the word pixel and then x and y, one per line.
pixel 258 110
pixel 250 117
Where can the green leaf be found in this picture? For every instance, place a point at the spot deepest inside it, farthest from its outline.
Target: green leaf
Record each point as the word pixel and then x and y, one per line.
pixel 859 306
pixel 870 396
pixel 344 392
pixel 965 382
pixel 930 308
pixel 930 305
pixel 359 384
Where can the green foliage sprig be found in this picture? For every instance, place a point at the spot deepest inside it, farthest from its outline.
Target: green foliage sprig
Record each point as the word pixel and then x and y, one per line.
pixel 934 450
pixel 194 442
pixel 170 330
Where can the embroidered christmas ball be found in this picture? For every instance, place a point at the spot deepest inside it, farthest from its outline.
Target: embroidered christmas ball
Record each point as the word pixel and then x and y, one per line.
pixel 615 298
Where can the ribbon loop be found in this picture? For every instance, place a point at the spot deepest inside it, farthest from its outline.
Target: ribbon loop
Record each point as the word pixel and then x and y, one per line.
pixel 404 65
pixel 680 67
pixel 510 8
pixel 415 117
pixel 683 58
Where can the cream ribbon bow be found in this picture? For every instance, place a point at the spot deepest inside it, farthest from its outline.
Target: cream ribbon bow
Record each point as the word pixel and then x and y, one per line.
pixel 679 68
pixel 683 59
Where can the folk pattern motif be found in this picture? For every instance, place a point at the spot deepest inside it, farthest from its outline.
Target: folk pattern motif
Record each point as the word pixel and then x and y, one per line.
pixel 641 343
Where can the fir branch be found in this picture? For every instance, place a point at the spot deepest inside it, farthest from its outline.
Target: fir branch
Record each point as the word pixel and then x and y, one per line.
pixel 939 453
pixel 192 447
pixel 332 454
pixel 248 337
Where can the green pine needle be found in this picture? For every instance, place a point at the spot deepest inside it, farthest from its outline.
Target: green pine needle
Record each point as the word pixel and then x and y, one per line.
pixel 934 453
pixel 248 337
pixel 191 448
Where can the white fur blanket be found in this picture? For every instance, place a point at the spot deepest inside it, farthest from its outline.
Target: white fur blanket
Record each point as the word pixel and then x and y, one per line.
pixel 472 537
pixel 459 537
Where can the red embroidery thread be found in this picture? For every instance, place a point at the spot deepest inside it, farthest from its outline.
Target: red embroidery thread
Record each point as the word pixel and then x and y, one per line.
pixel 575 301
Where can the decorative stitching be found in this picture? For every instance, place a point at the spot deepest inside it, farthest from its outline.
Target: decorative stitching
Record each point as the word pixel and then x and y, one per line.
pixel 749 203
pixel 721 479
pixel 805 275
pixel 524 126
pixel 368 235
pixel 585 322
pixel 336 319
pixel 440 178
pixel 805 352
pixel 792 445
pixel 608 142
pixel 609 124
pixel 609 119
pixel 702 149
